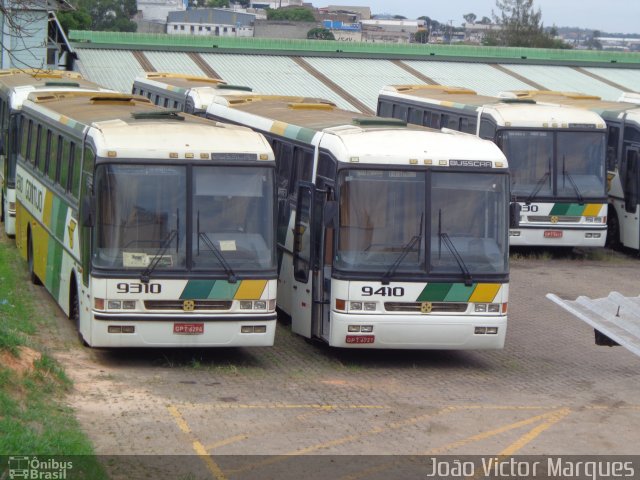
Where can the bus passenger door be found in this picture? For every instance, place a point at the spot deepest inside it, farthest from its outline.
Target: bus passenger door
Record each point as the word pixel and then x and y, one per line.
pixel 303 255
pixel 630 176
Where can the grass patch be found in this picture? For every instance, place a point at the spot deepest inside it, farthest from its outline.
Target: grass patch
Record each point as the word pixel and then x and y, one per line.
pixel 34 419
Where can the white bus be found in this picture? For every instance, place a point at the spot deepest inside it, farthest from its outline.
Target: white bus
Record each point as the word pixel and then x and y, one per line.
pixel 15 86
pixel 389 236
pixel 556 156
pixel 188 93
pixel 149 227
pixel 623 149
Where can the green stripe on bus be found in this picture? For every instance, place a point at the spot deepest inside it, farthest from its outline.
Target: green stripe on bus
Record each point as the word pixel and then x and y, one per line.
pixel 435 292
pixel 299 133
pixel 459 293
pixel 575 210
pixel 223 290
pixel 54 265
pixel 559 209
pixel 59 215
pixel 197 289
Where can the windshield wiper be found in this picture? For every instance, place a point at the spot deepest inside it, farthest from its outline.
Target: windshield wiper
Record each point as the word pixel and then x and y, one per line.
pixel 539 185
pixel 405 251
pixel 444 237
pixel 565 173
pixel 468 280
pixel 146 273
pixel 216 251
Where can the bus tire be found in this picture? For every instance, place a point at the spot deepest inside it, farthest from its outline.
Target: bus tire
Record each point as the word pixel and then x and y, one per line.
pixel 74 309
pixel 613 231
pixel 32 274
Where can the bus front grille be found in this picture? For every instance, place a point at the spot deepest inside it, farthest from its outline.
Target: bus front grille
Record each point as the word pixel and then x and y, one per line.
pixel 421 307
pixel 547 218
pixel 179 305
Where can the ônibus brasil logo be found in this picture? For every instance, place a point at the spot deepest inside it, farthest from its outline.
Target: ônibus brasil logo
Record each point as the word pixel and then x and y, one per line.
pixel 36 469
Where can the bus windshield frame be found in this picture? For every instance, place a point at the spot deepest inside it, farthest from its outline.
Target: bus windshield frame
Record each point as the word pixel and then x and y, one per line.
pixel 398 223
pixel 547 164
pixel 198 218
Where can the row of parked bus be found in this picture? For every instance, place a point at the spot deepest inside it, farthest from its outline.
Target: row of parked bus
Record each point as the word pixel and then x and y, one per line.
pixel 170 217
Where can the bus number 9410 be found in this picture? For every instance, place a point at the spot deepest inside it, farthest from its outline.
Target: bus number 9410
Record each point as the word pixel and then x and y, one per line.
pixel 384 291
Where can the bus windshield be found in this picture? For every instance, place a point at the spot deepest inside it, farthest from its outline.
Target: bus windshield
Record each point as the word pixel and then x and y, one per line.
pixel 142 214
pixel 387 223
pixel 233 218
pixel 574 169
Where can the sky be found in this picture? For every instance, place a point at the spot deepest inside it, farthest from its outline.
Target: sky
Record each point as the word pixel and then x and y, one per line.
pixel 612 16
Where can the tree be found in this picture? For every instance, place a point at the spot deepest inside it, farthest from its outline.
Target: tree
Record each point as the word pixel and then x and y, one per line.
pixel 217 3
pixel 74 20
pixel 521 26
pixel 110 15
pixel 421 36
pixel 470 18
pixel 320 34
pixel 295 14
pixel 485 21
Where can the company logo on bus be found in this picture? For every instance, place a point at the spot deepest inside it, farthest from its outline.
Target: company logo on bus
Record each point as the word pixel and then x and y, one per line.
pixel 188 305
pixel 470 163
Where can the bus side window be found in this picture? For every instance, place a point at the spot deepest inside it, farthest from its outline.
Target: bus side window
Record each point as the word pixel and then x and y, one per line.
pixel 25 134
pixel 487 129
pixel 42 149
pixel 52 162
pixel 400 112
pixel 415 116
pixel 166 102
pixel 76 155
pixel 613 137
pixel 434 121
pixel 65 158
pixel 631 180
pixel 326 166
pixel 385 109
pixel 302 167
pixel 468 125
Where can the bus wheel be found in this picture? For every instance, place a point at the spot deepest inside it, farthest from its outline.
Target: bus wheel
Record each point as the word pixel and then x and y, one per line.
pixel 74 310
pixel 613 232
pixel 32 274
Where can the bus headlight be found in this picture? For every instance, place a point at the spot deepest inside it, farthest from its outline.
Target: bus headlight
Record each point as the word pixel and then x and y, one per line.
pixel 355 305
pixel 114 304
pixel 370 306
pixel 593 219
pixel 487 307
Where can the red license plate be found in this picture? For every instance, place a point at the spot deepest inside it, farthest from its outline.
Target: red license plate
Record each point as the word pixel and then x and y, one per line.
pixel 360 338
pixel 553 234
pixel 188 328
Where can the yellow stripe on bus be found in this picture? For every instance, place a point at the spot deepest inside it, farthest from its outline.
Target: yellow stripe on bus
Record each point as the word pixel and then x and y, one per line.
pixel 279 128
pixel 250 290
pixel 592 210
pixel 485 293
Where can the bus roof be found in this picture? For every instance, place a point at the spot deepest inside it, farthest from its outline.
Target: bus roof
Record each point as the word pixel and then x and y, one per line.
pixel 15 77
pixel 131 126
pixel 604 108
pixel 366 137
pixel 516 111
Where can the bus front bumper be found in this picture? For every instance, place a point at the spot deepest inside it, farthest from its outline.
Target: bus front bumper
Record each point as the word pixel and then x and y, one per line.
pixel 427 332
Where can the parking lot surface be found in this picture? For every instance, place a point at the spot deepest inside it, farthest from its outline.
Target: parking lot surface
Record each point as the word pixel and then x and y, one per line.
pixel 550 391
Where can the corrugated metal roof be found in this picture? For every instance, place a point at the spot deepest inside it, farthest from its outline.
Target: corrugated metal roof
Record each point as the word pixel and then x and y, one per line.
pixel 113 69
pixel 565 79
pixel 362 78
pixel 174 62
pixel 484 79
pixel 616 316
pixel 218 16
pixel 626 77
pixel 272 75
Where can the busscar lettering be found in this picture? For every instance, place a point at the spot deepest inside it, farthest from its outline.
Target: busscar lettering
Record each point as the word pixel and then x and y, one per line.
pixel 470 163
pixel 33 194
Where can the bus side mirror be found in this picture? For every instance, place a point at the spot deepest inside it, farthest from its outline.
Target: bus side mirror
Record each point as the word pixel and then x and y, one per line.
pixel 330 214
pixel 86 212
pixel 514 215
